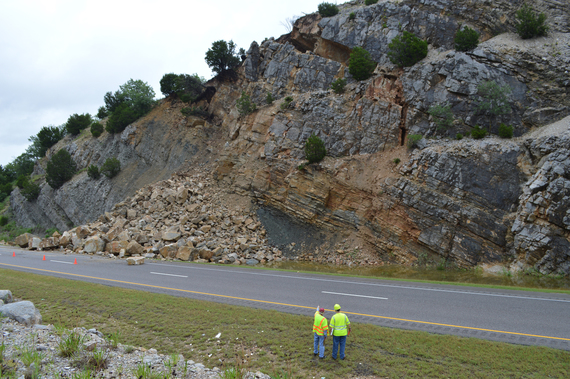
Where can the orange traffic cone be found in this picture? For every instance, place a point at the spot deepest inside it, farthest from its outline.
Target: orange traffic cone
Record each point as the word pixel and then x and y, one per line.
pixel 44 258
pixel 75 261
pixel 14 254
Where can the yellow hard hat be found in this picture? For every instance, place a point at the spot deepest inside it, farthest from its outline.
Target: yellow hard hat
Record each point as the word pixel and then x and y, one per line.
pixel 337 307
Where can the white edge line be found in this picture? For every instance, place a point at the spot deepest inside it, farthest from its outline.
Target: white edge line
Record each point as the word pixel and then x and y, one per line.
pixel 160 273
pixel 67 263
pixel 350 294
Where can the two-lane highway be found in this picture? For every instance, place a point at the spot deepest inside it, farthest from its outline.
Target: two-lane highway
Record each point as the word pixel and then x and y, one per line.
pixel 504 315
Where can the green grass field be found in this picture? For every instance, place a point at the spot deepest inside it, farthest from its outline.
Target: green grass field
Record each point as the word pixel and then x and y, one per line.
pixel 271 341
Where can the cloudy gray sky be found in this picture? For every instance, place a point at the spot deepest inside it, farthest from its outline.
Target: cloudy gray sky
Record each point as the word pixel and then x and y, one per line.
pixel 60 57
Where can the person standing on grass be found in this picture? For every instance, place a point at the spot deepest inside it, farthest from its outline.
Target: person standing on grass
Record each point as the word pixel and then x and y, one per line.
pixel 340 328
pixel 320 328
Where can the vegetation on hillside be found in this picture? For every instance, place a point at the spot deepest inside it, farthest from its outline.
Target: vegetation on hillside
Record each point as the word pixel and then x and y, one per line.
pixel 493 100
pixel 111 167
pixel 46 138
pixel 442 115
pixel 244 104
pixel 406 50
pixel 529 24
pixel 328 9
pixel 60 168
pixel 466 39
pixel 360 64
pixel 315 150
pixel 97 129
pixel 133 100
pixel 7 176
pixel 222 56
pixel 185 87
pixel 77 122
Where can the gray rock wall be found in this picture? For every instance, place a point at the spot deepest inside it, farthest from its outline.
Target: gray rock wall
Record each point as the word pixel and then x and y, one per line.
pixel 467 201
pixel 542 225
pixel 149 150
pixel 460 197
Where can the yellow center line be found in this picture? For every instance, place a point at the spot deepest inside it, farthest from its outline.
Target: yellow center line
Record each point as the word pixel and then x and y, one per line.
pixel 285 304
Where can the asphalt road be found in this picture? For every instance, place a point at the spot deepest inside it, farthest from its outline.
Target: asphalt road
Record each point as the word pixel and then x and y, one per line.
pixel 521 317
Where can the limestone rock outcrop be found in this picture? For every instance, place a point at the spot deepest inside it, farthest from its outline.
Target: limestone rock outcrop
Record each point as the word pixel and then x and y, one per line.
pixel 469 202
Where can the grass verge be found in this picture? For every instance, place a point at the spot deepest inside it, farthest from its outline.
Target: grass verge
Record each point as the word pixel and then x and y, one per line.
pixel 270 341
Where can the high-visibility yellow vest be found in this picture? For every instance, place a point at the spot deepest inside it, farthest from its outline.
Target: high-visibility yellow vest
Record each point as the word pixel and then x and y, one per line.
pixel 320 326
pixel 339 324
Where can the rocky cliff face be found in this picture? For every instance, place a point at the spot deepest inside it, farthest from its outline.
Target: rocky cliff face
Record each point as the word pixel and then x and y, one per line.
pixel 149 150
pixel 470 202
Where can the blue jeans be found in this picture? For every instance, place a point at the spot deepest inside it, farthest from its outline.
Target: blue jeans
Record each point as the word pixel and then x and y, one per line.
pixel 338 340
pixel 319 345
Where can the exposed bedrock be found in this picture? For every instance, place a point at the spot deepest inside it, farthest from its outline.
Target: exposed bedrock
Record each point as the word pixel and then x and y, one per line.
pixel 468 201
pixel 149 150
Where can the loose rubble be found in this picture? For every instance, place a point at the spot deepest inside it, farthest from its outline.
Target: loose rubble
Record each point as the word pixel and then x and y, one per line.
pixel 31 349
pixel 180 218
pixel 121 360
pixel 187 218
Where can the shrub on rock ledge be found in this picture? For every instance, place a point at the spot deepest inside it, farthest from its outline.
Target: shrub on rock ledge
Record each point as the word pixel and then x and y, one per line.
pixel 477 132
pixel 96 129
pixel 60 168
pixel 466 39
pixel 529 24
pixel 360 64
pixel 244 105
pixel 328 9
pixel 407 49
pixel 31 191
pixel 222 56
pixel 413 140
pixel 338 85
pixel 93 172
pixel 505 131
pixel 315 149
pixel 77 122
pixel 111 167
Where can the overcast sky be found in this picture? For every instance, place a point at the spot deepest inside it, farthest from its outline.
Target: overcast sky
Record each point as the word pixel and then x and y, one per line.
pixel 60 57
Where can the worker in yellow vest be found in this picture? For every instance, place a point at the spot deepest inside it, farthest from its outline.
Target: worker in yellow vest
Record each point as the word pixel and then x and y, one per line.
pixel 340 328
pixel 320 328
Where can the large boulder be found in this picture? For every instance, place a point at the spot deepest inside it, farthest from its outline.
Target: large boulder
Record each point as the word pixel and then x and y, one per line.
pixel 82 231
pixel 135 261
pixel 114 232
pixel 94 245
pixel 65 239
pixel 169 251
pixel 186 253
pixel 49 243
pixel 172 234
pixel 23 239
pixel 134 248
pixel 23 312
pixel 34 243
pixel 115 247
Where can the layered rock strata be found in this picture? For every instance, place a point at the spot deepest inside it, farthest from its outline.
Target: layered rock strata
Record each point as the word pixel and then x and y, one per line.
pixel 471 202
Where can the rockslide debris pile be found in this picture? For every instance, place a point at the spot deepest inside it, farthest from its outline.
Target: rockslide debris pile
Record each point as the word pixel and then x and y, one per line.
pixel 183 218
